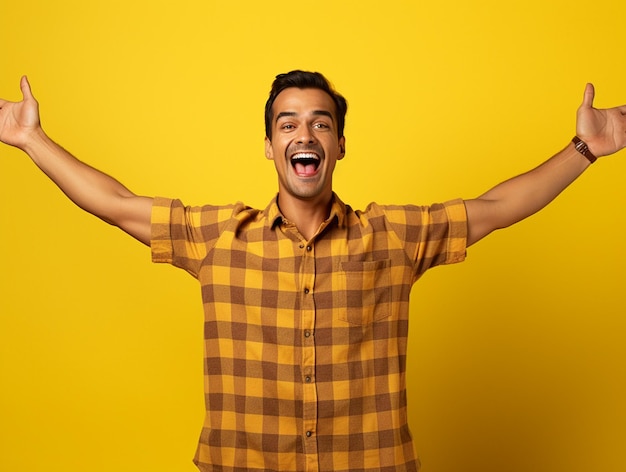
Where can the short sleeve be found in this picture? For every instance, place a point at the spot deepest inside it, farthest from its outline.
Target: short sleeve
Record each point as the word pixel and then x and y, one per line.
pixel 161 241
pixel 431 235
pixel 183 235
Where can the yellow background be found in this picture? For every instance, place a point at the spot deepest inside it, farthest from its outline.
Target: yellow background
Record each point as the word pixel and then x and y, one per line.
pixel 516 356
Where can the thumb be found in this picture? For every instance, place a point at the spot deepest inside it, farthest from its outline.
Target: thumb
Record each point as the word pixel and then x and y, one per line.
pixel 25 87
pixel 588 96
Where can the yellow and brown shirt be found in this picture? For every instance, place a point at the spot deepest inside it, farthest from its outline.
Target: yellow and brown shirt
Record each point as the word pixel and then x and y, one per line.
pixel 305 341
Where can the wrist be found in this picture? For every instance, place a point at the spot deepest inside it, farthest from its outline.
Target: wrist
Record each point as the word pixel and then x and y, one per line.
pixel 583 149
pixel 33 139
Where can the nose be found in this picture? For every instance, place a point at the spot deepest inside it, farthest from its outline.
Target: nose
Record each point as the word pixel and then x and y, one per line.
pixel 305 136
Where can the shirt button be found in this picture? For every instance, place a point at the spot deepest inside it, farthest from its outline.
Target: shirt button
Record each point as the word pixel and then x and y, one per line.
pixel 301 246
pixel 309 434
pixel 309 248
pixel 307 334
pixel 306 291
pixel 307 379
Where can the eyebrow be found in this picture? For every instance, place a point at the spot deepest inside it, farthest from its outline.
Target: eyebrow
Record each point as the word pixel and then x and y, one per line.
pixel 314 112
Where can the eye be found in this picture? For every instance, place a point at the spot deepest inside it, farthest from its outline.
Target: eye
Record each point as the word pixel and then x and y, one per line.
pixel 287 126
pixel 321 126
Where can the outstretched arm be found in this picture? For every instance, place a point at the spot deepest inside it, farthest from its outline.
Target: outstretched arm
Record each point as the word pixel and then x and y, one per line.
pixel 89 188
pixel 604 131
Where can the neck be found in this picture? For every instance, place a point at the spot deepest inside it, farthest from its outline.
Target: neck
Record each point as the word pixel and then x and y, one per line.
pixel 307 215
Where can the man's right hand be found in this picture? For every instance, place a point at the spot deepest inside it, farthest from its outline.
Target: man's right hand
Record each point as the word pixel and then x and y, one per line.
pixel 92 190
pixel 19 120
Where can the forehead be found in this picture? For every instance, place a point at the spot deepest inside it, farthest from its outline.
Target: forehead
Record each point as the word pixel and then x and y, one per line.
pixel 303 102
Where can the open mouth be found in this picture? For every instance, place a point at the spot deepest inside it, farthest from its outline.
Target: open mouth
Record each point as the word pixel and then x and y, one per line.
pixel 305 163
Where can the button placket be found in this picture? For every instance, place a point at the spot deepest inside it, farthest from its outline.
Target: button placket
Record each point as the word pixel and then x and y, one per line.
pixel 309 390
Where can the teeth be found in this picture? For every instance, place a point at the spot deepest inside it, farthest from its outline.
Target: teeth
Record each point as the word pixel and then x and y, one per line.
pixel 305 155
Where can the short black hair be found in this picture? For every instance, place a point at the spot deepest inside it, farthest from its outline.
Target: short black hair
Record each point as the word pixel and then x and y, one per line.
pixel 303 80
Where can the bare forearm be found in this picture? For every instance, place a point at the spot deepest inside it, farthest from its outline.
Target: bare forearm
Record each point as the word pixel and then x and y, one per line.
pixel 602 131
pixel 89 188
pixel 530 192
pixel 524 195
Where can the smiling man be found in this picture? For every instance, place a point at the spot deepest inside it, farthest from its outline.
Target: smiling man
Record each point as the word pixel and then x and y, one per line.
pixel 305 142
pixel 306 302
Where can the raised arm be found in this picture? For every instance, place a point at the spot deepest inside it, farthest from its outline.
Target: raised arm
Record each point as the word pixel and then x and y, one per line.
pixel 604 131
pixel 90 189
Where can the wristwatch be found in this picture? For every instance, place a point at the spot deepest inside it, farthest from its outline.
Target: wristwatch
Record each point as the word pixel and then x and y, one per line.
pixel 582 148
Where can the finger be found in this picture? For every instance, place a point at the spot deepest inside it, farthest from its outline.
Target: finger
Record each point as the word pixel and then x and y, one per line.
pixel 25 87
pixel 589 96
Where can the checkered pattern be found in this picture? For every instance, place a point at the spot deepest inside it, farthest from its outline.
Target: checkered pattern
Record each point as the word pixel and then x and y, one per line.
pixel 305 341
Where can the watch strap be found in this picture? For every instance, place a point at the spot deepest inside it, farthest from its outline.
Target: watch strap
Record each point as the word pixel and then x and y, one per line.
pixel 582 148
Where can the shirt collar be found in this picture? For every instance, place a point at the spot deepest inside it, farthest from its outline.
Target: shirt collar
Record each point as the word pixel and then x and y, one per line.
pixel 338 210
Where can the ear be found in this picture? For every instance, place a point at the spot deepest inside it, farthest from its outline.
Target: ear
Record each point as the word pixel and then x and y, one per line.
pixel 269 152
pixel 342 148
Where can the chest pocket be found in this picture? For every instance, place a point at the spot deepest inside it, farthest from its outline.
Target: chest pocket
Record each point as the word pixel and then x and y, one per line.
pixel 365 291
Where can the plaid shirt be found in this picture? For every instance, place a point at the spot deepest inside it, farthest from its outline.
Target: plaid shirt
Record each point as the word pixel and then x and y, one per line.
pixel 305 341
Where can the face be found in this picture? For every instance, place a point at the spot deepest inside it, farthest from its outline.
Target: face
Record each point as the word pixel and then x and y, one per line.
pixel 304 144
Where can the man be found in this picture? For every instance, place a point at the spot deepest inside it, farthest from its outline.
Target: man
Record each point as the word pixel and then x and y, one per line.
pixel 306 301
